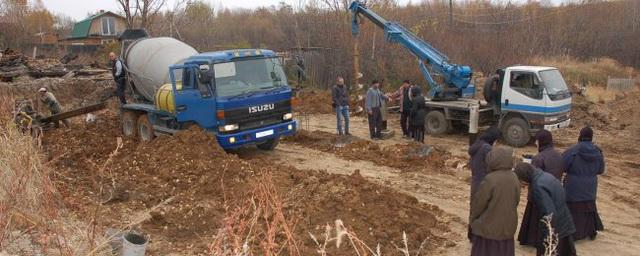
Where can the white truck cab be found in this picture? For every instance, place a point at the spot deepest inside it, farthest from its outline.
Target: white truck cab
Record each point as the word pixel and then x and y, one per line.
pixel 532 98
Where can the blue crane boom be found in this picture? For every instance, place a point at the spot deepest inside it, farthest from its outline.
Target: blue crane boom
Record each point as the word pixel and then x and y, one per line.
pixel 456 77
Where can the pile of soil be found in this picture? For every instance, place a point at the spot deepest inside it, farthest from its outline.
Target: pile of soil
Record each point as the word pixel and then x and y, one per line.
pixel 314 102
pixel 205 185
pixel 401 156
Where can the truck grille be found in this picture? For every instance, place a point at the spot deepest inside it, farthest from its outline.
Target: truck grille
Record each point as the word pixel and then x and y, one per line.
pixel 261 115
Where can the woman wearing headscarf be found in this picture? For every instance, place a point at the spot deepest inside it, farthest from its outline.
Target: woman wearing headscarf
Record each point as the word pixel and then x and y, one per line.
pixel 583 163
pixel 548 160
pixel 418 113
pixel 478 153
pixel 494 207
pixel 547 195
pixel 477 156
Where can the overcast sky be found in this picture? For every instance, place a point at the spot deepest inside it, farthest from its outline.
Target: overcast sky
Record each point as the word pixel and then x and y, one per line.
pixel 78 9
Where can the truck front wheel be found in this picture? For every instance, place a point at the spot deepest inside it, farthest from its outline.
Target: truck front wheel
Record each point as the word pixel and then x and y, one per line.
pixel 129 124
pixel 515 132
pixel 145 128
pixel 436 123
pixel 270 144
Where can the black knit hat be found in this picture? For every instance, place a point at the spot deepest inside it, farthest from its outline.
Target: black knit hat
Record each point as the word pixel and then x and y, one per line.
pixel 491 135
pixel 586 134
pixel 544 139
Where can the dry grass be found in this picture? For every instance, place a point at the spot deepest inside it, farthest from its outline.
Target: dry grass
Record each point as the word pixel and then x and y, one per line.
pixel 31 209
pixel 599 94
pixel 586 73
pixel 551 241
pixel 258 226
pixel 359 247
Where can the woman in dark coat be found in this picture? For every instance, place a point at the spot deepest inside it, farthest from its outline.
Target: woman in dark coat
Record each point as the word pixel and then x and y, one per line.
pixel 494 207
pixel 548 196
pixel 548 160
pixel 418 113
pixel 478 152
pixel 583 163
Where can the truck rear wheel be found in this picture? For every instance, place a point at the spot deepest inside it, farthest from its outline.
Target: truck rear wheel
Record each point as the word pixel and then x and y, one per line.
pixel 129 124
pixel 270 144
pixel 436 123
pixel 515 132
pixel 145 128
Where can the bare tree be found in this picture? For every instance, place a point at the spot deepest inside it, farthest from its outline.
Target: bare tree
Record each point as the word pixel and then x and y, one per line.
pixel 148 9
pixel 141 10
pixel 129 12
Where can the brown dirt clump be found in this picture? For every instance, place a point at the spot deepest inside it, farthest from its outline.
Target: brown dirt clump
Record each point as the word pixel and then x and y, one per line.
pixel 199 186
pixel 314 102
pixel 401 156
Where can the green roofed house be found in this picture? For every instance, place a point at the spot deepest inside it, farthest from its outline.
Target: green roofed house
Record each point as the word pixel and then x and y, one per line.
pixel 98 29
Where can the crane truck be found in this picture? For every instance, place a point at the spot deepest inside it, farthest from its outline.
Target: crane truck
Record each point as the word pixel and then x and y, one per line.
pixel 241 96
pixel 531 98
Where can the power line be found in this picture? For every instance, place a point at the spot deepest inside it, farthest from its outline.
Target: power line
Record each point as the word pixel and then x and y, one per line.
pixel 521 20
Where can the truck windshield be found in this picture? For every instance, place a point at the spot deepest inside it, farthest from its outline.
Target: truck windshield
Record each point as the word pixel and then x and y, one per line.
pixel 554 82
pixel 245 77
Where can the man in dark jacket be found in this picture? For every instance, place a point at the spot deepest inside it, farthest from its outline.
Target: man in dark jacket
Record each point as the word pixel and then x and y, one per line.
pixel 548 196
pixel 340 95
pixel 548 158
pixel 583 163
pixel 118 72
pixel 403 94
pixel 490 89
pixel 418 112
pixel 494 208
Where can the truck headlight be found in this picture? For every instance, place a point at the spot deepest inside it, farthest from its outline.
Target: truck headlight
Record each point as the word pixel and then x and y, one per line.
pixel 229 127
pixel 549 119
pixel 287 116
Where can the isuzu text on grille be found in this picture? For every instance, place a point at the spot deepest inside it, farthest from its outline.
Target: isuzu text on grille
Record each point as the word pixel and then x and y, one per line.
pixel 261 108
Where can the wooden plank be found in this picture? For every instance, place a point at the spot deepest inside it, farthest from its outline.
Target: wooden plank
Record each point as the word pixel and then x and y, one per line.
pixel 75 112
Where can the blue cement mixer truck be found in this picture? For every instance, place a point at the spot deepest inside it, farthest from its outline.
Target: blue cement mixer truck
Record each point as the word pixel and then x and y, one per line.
pixel 242 96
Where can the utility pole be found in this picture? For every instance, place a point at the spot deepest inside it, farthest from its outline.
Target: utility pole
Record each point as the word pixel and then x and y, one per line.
pixel 356 62
pixel 450 12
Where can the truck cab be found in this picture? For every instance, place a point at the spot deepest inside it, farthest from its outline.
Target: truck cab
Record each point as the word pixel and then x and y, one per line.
pixel 532 98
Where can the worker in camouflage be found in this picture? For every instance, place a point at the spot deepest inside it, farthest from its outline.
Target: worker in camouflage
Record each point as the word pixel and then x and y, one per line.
pixel 49 100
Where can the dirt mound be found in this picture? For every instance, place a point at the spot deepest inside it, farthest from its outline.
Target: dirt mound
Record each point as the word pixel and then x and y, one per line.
pixel 200 185
pixel 314 102
pixel 617 114
pixel 407 157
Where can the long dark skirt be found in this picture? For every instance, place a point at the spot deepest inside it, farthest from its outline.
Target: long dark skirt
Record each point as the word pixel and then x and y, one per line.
pixel 566 247
pixel 586 219
pixel 487 247
pixel 530 232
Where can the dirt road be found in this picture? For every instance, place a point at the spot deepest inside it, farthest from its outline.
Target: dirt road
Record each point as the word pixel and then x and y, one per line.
pixel 448 189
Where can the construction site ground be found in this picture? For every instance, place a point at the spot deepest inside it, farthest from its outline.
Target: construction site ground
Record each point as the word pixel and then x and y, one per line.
pixel 184 192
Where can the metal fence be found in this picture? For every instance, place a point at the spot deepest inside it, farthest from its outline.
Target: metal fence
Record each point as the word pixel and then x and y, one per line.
pixel 622 84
